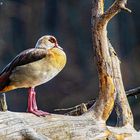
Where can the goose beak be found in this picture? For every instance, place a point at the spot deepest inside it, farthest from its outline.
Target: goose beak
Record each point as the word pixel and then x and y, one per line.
pixel 57 46
pixel 60 48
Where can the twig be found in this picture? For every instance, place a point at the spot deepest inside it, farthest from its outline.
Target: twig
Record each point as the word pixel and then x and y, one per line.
pixel 81 108
pixel 116 7
pixel 3 103
pixel 133 92
pixel 76 110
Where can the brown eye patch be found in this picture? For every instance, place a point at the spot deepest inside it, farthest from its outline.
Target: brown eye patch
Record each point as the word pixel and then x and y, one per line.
pixel 52 40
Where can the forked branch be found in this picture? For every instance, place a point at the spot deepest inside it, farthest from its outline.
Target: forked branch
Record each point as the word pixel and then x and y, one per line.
pixel 116 7
pixel 108 65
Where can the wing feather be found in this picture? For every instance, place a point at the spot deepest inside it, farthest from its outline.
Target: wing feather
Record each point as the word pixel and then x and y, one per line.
pixel 25 57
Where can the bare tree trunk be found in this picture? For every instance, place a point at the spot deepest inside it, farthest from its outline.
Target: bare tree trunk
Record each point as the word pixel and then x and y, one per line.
pixel 110 79
pixel 92 124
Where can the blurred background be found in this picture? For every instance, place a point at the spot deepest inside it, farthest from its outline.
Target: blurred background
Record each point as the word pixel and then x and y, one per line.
pixel 22 22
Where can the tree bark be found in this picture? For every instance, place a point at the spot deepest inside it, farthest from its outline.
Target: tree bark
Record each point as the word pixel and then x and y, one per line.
pixel 92 124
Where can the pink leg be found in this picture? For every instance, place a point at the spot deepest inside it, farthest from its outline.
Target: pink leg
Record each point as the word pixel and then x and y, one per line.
pixel 30 98
pixel 32 105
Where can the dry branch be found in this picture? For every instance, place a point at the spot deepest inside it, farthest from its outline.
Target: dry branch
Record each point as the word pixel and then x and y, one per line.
pixel 133 92
pixel 124 114
pixel 116 7
pixel 3 103
pixel 83 107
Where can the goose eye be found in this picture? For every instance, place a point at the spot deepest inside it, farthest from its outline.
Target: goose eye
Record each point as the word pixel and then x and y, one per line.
pixel 52 40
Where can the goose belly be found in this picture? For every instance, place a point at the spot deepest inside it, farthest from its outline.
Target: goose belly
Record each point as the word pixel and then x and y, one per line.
pixel 38 72
pixel 32 75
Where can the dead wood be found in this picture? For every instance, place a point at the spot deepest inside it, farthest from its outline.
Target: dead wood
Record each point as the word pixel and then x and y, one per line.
pixel 83 107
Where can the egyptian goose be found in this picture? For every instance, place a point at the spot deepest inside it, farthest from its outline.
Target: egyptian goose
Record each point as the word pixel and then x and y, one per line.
pixel 32 68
